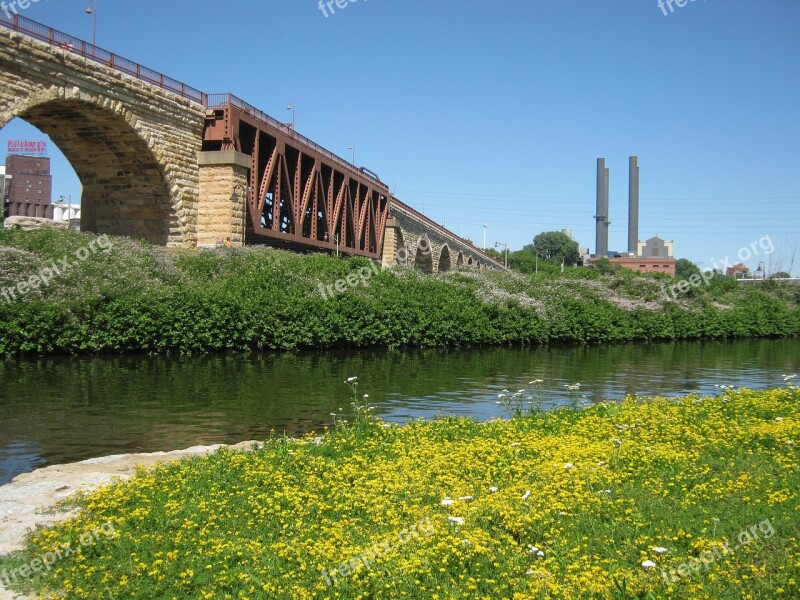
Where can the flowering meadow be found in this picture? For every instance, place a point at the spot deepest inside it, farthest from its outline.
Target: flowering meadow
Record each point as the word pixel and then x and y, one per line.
pixel 693 497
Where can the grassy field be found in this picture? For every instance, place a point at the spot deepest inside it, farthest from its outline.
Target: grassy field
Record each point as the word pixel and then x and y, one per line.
pixel 119 295
pixel 694 497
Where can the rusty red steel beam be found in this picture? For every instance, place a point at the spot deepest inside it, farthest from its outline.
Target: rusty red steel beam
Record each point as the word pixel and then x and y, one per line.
pixel 300 195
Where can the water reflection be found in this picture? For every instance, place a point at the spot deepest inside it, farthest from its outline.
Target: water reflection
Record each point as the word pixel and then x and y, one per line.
pixel 56 410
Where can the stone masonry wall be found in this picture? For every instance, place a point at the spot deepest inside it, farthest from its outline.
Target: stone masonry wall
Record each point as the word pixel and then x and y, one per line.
pixel 223 187
pixel 413 229
pixel 133 145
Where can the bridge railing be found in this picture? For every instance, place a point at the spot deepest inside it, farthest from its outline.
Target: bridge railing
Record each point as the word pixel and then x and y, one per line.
pixel 220 100
pixel 69 43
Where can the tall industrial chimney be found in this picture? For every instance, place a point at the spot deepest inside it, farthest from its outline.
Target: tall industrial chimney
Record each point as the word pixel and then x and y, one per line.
pixel 601 244
pixel 633 206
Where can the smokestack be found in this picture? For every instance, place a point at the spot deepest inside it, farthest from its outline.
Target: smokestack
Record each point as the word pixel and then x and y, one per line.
pixel 601 244
pixel 633 206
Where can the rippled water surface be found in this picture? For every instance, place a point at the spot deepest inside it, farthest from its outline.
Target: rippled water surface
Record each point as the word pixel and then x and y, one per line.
pixel 57 410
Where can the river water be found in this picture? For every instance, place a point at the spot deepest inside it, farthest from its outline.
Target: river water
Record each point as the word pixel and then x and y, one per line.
pixel 65 409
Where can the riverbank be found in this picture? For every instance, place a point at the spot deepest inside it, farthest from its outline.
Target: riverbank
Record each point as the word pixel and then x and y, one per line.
pixel 121 296
pixel 693 497
pixel 33 499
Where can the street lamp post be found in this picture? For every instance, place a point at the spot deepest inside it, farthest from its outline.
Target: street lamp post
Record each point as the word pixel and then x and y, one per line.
pixel 353 148
pixel 335 239
pixel 485 227
pixel 93 12
pixel 291 108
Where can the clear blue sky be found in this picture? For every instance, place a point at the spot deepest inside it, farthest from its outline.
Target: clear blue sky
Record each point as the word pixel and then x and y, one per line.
pixel 495 112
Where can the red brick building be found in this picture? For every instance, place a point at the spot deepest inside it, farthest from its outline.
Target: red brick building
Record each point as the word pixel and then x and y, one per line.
pixel 30 187
pixel 739 269
pixel 647 265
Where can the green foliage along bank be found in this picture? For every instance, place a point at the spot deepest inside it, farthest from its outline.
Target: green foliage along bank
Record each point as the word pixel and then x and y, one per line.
pixel 130 297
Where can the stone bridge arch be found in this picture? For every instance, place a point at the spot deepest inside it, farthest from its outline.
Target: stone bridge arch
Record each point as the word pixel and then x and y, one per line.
pixel 125 189
pixel 445 261
pixel 423 255
pixel 133 145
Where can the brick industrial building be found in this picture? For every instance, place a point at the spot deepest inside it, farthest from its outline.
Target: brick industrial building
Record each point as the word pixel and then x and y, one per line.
pixel 30 187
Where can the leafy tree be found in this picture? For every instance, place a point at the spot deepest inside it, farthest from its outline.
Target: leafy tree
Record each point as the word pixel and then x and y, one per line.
pixel 781 275
pixel 684 269
pixel 555 245
pixel 605 266
pixel 498 256
pixel 523 261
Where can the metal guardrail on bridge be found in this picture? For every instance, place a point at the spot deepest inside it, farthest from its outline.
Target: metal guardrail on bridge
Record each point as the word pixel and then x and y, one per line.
pixel 220 100
pixel 69 43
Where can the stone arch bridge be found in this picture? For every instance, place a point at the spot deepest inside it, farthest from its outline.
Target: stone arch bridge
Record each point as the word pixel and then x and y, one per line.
pixel 163 161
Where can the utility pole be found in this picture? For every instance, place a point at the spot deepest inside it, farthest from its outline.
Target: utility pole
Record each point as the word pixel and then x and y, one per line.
pixel 505 245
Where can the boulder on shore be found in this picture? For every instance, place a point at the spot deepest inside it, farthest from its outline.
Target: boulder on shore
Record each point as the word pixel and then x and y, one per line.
pixel 33 223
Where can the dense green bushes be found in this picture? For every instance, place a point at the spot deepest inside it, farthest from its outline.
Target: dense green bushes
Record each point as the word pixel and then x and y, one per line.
pixel 136 298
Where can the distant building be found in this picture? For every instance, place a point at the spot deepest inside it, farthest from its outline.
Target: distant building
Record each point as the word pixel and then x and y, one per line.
pixel 646 265
pixel 30 189
pixel 737 270
pixel 5 180
pixel 655 247
pixel 64 210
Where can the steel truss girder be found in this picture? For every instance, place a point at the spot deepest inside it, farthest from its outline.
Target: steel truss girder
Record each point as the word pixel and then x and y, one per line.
pixel 301 196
